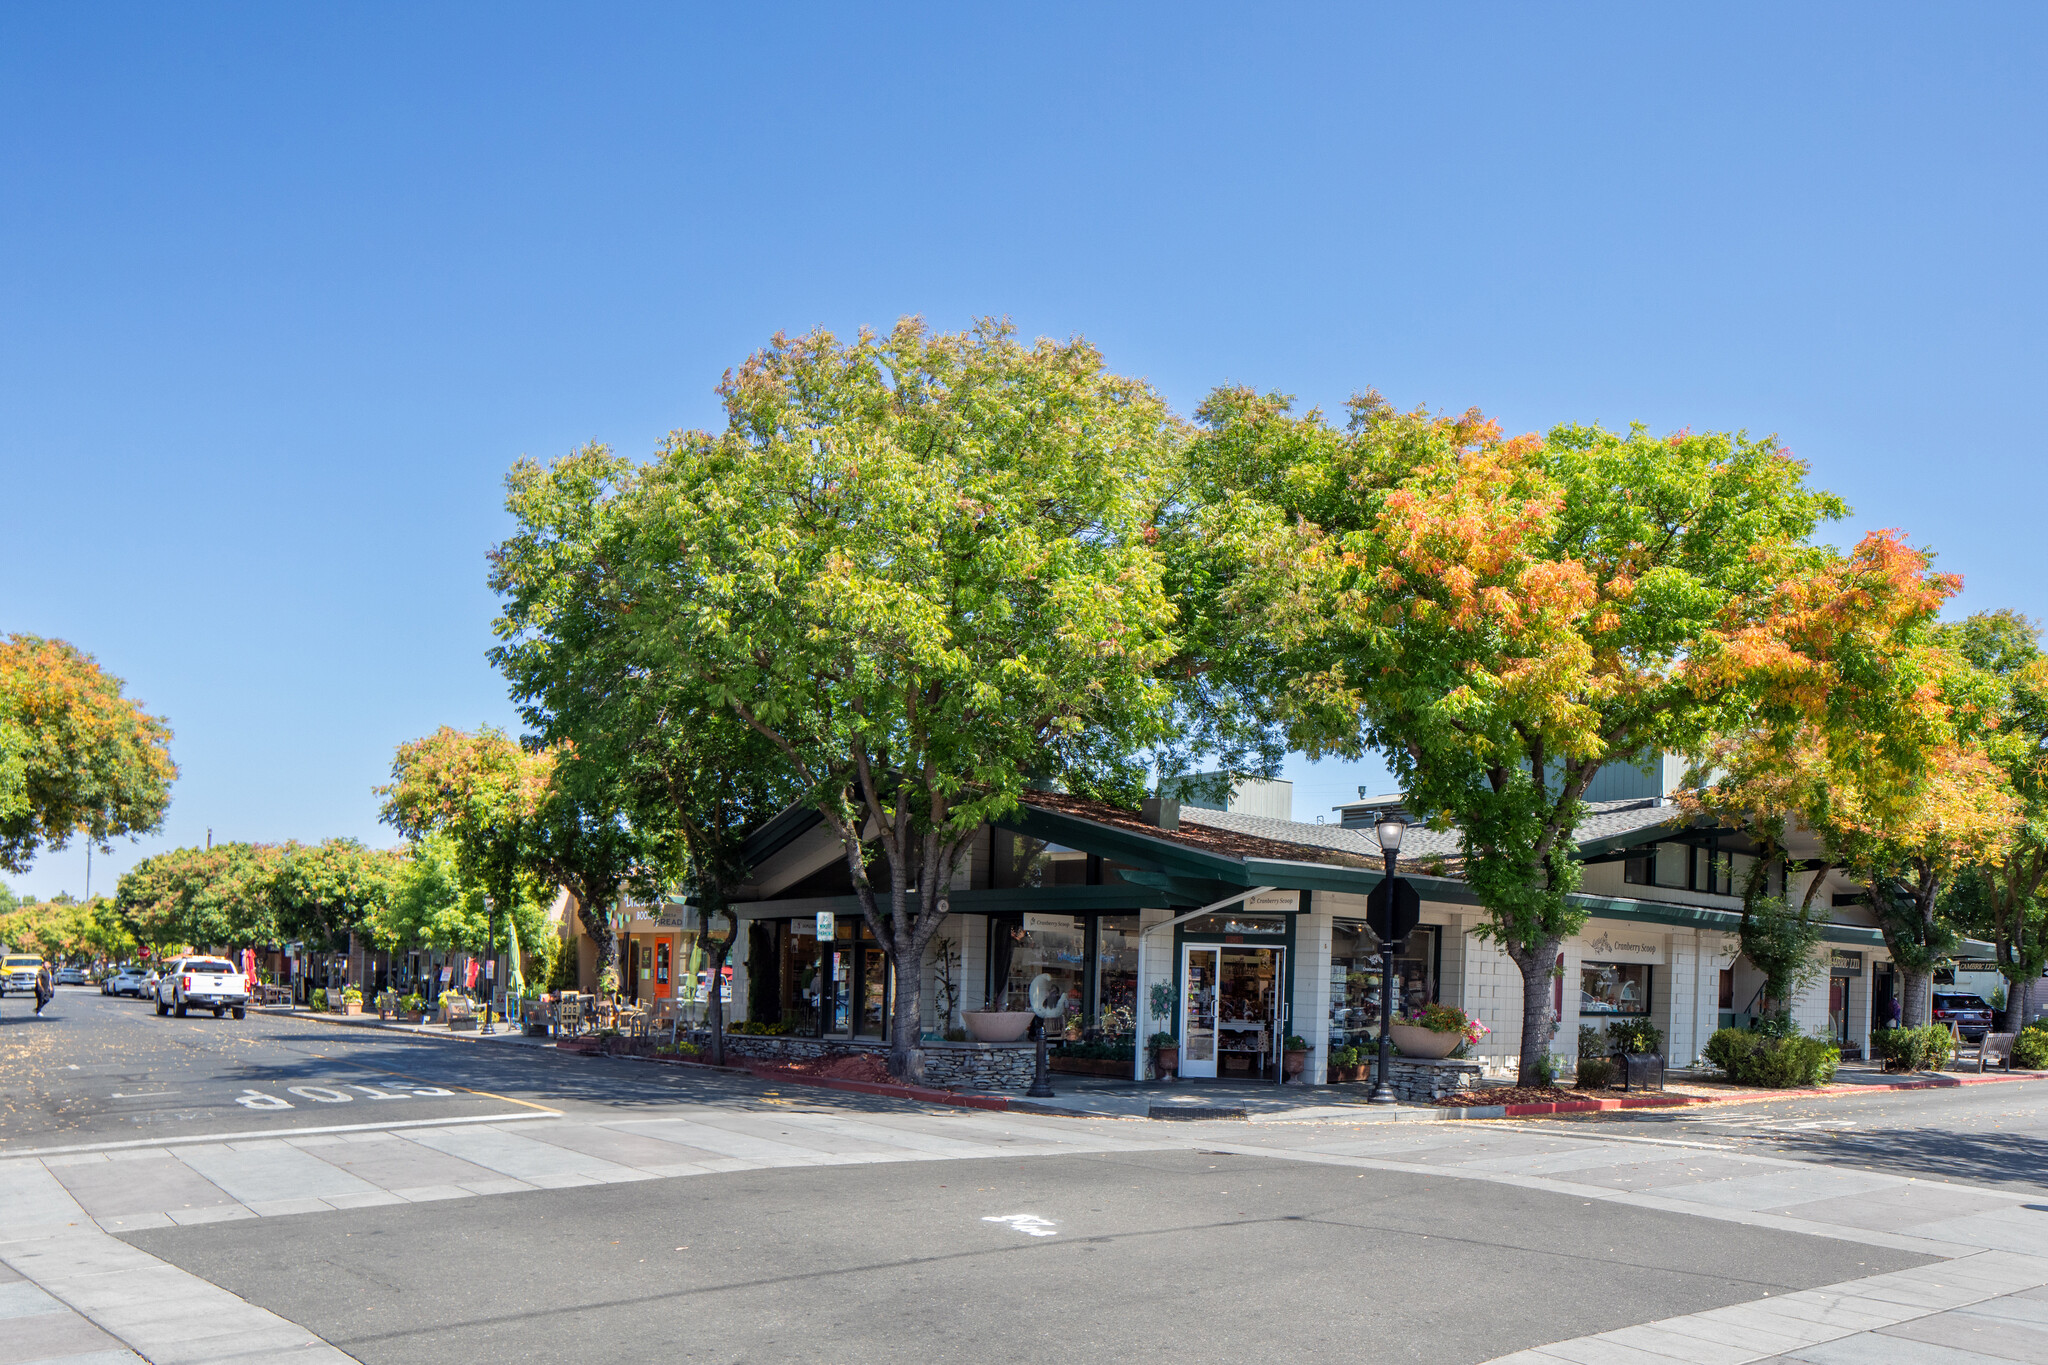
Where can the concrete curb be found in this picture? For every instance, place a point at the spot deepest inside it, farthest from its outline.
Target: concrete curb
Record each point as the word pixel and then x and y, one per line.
pixel 994 1103
pixel 1519 1111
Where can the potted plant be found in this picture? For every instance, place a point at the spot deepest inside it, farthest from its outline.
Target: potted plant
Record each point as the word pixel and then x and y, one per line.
pixel 1344 1065
pixel 1638 1052
pixel 352 1000
pixel 1165 1056
pixel 1293 1056
pixel 1436 1031
pixel 412 1008
pixel 997 1026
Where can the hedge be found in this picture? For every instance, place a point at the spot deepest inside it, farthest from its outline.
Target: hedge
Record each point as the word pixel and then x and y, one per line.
pixel 1750 1058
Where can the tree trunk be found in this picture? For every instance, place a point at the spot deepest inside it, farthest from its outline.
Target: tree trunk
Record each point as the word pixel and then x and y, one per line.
pixel 598 924
pixel 715 953
pixel 1915 997
pixel 2019 1000
pixel 1539 1021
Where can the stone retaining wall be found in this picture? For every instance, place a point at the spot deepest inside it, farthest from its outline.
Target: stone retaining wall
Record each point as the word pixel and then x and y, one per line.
pixel 957 1066
pixel 1420 1080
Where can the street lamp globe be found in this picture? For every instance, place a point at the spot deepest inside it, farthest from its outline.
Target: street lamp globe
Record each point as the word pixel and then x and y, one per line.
pixel 1389 829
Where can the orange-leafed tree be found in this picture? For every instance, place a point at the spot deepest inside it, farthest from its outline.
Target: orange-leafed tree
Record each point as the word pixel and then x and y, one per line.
pixel 76 756
pixel 1501 618
pixel 1866 728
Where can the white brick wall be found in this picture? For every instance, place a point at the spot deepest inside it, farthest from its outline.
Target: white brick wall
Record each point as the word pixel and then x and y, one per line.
pixel 1312 986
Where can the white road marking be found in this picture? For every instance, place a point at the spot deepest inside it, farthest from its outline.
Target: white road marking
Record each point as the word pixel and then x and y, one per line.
pixel 193 1138
pixel 144 1095
pixel 320 1094
pixel 1030 1224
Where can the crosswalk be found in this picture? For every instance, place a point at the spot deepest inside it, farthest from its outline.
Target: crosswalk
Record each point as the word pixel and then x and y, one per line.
pixel 183 1183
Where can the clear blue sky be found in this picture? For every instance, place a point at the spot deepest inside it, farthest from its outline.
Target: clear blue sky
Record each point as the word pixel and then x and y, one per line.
pixel 287 287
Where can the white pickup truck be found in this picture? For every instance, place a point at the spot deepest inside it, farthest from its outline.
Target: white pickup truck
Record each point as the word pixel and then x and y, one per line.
pixel 202 982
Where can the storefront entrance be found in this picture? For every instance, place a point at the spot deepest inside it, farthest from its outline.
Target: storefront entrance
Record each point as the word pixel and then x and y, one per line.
pixel 1231 1023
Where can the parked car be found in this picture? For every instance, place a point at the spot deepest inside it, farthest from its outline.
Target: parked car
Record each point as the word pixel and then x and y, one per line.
pixel 1969 1013
pixel 72 976
pixel 207 982
pixel 18 973
pixel 125 981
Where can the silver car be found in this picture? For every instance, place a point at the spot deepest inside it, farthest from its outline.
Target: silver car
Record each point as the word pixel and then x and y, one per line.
pixel 126 981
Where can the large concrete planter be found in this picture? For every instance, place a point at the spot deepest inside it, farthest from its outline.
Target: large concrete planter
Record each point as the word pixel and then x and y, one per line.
pixel 1416 1041
pixel 997 1026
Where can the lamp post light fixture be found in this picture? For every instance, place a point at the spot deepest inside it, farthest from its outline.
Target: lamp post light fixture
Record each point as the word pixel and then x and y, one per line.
pixel 1389 829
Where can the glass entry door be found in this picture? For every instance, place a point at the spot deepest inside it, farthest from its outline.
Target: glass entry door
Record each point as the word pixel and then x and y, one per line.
pixel 1198 974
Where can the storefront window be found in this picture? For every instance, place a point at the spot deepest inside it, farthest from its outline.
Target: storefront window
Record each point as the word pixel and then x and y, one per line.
pixel 1355 980
pixel 1614 988
pixel 799 976
pixel 1274 925
pixel 1116 975
pixel 1024 861
pixel 1053 944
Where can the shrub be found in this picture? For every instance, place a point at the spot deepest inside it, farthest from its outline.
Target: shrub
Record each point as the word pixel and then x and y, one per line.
pixel 1162 1039
pixel 319 998
pixel 1635 1036
pixel 1749 1057
pixel 352 996
pixel 1927 1048
pixel 1345 1056
pixel 412 1004
pixel 2030 1048
pixel 956 1035
pixel 1592 1043
pixel 1545 1074
pixel 1294 1043
pixel 1595 1073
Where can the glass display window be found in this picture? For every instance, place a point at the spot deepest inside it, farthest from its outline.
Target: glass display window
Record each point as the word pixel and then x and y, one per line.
pixel 1053 944
pixel 1355 977
pixel 1019 860
pixel 1116 975
pixel 1614 988
pixel 1268 926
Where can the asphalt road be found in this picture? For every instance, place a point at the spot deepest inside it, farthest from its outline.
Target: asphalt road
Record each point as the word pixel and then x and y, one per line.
pixel 97 1069
pixel 1141 1256
pixel 1990 1135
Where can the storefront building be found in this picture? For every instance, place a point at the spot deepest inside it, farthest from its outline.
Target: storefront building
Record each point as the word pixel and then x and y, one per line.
pixel 1234 931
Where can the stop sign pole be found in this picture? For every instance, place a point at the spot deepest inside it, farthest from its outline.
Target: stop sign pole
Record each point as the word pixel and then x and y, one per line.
pixel 1393 909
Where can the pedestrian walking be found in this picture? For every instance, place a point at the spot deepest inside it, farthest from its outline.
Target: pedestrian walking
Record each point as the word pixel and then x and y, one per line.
pixel 45 988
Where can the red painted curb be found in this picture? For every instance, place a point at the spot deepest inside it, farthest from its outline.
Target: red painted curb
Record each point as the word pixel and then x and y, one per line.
pixel 1517 1111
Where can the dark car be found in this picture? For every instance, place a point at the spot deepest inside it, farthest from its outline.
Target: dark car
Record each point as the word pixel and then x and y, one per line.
pixel 1969 1013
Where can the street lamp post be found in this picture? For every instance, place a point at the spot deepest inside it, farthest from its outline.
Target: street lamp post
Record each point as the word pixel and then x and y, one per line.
pixel 490 955
pixel 1390 828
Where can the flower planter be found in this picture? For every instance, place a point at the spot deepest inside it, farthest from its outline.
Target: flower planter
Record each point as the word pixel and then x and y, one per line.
pixel 1292 1064
pixel 1166 1063
pixel 1345 1075
pixel 1415 1041
pixel 997 1026
pixel 351 1007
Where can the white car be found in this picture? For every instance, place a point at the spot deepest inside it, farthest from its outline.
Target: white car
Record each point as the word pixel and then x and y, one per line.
pixel 207 982
pixel 72 976
pixel 127 981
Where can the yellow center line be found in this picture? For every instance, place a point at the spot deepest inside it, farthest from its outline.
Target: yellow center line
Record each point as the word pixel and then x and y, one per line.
pixel 466 1089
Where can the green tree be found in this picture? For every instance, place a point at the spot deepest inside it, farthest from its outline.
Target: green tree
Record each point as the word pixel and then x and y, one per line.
pixel 432 905
pixel 485 794
pixel 922 566
pixel 690 777
pixel 8 900
pixel 324 893
pixel 2003 900
pixel 1502 618
pixel 76 756
pixel 219 897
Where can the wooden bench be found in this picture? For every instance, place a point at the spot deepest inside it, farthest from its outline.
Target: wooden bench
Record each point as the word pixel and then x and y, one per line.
pixel 1996 1047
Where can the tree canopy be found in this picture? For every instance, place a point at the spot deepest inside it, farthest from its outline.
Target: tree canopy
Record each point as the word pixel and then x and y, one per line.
pixel 1503 617
pixel 76 755
pixel 202 897
pixel 922 566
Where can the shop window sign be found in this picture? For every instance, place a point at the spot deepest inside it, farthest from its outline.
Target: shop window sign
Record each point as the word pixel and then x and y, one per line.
pixel 1614 988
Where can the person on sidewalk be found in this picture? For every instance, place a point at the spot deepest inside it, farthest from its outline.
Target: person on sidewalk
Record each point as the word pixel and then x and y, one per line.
pixel 45 988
